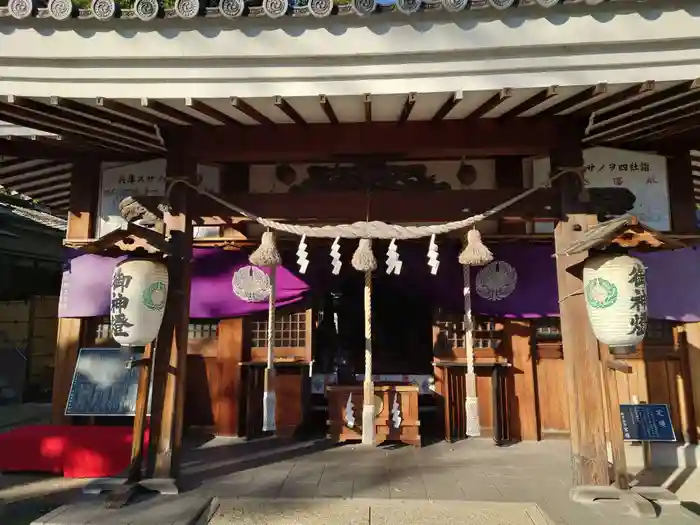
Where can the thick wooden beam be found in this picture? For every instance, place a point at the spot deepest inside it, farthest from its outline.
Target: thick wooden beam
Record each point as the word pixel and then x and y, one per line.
pixel 681 193
pixel 388 206
pixel 171 352
pixel 81 223
pixel 317 142
pixel 581 358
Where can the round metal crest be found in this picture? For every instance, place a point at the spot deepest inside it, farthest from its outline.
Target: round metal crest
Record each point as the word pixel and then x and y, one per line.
pixel 408 7
pixel 320 8
pixel 454 6
pixel 20 9
pixel 496 281
pixel 103 9
pixel 251 284
pixel 187 9
pixel 275 8
pixel 60 9
pixel 231 8
pixel 146 10
pixel 502 4
pixel 364 7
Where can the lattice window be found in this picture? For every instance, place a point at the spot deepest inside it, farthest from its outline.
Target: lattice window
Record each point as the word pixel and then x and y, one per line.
pixel 198 329
pixel 202 329
pixel 548 329
pixel 486 333
pixel 102 329
pixel 290 331
pixel 659 331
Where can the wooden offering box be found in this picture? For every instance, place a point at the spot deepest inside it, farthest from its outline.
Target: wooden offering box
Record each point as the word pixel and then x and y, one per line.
pixel 395 408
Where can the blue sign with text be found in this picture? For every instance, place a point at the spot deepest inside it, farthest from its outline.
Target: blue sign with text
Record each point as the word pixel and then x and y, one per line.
pixel 647 423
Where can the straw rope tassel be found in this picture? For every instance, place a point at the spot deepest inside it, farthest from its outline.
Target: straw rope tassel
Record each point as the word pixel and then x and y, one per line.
pixel 368 384
pixel 269 398
pixel 472 402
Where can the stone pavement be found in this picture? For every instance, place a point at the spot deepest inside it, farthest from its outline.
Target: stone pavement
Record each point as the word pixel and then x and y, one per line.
pixel 313 483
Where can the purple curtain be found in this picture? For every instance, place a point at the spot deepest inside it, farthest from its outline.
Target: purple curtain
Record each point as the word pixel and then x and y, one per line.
pixel 520 283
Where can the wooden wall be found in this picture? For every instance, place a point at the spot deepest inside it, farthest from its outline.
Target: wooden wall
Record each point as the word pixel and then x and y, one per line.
pixel 660 374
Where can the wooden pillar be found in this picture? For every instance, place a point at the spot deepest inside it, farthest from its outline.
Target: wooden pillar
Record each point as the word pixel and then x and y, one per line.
pixel 681 192
pixel 85 184
pixel 171 345
pixel 692 335
pixel 229 356
pixel 581 356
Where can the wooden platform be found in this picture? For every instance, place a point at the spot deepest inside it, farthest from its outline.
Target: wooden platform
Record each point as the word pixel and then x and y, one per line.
pixel 148 510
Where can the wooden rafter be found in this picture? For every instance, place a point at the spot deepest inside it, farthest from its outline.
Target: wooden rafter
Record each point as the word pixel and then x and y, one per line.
pixel 103 115
pixel 42 192
pixel 44 180
pixel 205 109
pixel 72 122
pixel 367 103
pixel 7 164
pixel 407 108
pixel 633 125
pixel 286 108
pixel 56 199
pixel 636 130
pixel 531 103
pixel 647 105
pixel 492 103
pixel 663 130
pixel 32 119
pixel 248 110
pixel 25 172
pixel 66 149
pixel 586 95
pixel 449 104
pixel 129 111
pixel 628 94
pixel 170 112
pixel 328 110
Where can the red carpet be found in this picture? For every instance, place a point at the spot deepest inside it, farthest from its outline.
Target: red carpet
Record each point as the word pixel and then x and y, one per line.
pixel 75 452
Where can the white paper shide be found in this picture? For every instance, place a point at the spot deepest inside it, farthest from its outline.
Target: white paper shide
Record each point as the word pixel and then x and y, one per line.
pixel 139 293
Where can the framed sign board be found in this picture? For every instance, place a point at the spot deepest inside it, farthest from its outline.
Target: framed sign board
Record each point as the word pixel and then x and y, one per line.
pixel 103 385
pixel 648 422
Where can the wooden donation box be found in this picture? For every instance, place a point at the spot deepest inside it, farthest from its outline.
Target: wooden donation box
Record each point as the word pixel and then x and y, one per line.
pixel 395 409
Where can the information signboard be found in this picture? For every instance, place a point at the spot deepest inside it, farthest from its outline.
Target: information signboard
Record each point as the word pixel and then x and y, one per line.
pixel 102 384
pixel 647 422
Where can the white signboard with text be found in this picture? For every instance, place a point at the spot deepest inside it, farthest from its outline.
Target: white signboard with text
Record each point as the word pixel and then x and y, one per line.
pixel 142 179
pixel 644 174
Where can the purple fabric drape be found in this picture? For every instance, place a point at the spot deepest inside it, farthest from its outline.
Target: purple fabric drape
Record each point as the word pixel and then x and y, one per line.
pixel 525 287
pixel 85 291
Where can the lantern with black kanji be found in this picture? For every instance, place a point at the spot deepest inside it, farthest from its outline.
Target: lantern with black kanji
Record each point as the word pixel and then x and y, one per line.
pixel 616 300
pixel 138 296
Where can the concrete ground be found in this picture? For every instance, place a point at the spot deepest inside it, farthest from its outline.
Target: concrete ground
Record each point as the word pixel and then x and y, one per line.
pixel 276 482
pixel 473 481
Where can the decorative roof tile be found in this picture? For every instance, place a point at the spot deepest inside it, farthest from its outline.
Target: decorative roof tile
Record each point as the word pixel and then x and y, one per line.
pixel 147 10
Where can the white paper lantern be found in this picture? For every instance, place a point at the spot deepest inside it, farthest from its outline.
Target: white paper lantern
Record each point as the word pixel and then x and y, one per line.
pixel 139 294
pixel 616 299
